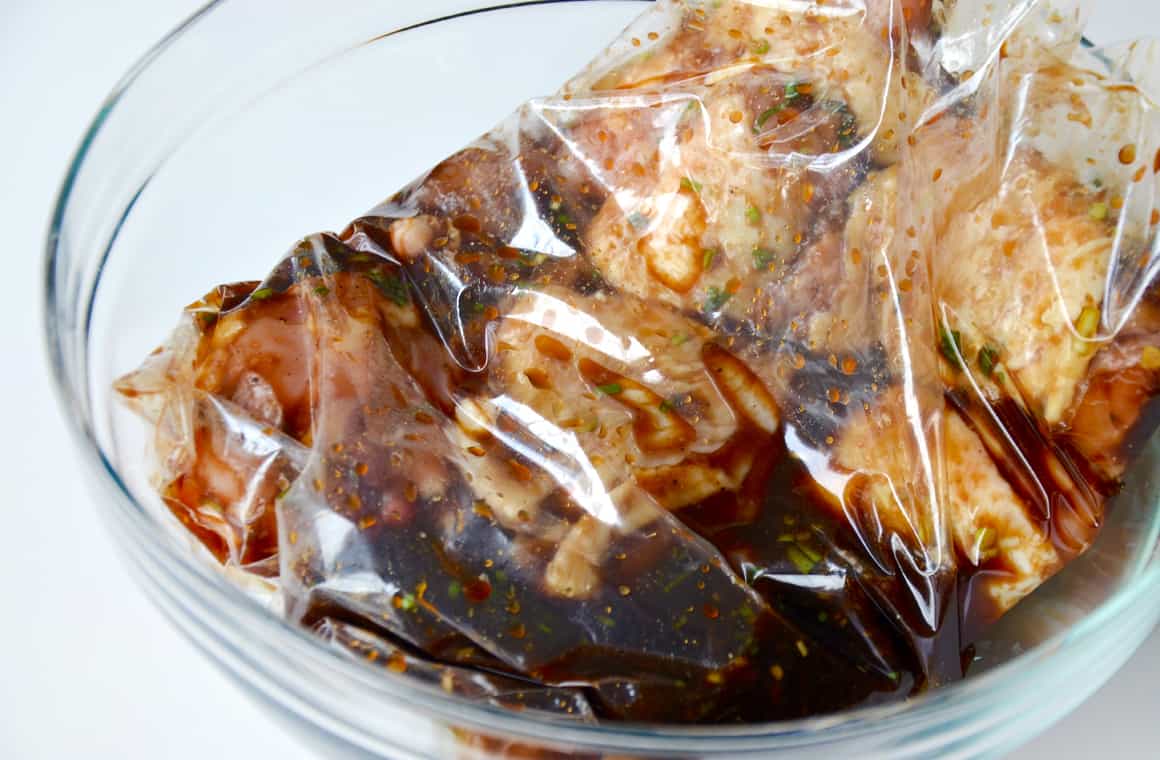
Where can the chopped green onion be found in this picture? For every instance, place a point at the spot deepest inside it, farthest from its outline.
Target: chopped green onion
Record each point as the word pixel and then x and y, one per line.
pixel 454 589
pixel 765 115
pixel 688 183
pixel 609 389
pixel 1088 322
pixel 707 258
pixel 261 294
pixel 409 602
pixel 679 339
pixel 761 47
pixel 762 258
pixel 322 291
pixel 752 214
pixel 716 299
pixel 950 343
pixel 813 555
pixel 800 560
pixel 988 358
pixel 390 286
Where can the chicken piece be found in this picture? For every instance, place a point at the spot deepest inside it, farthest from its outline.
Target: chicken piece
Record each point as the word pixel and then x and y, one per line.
pixel 715 194
pixel 238 394
pixel 1024 276
pixel 844 50
pixel 1115 412
pixel 624 405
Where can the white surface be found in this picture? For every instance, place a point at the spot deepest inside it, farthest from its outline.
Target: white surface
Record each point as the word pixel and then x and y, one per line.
pixel 87 667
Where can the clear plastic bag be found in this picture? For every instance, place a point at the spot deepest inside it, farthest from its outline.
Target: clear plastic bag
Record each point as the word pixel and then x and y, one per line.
pixel 750 377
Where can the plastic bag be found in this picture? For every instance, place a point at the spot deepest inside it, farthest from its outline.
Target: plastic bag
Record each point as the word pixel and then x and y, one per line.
pixel 750 377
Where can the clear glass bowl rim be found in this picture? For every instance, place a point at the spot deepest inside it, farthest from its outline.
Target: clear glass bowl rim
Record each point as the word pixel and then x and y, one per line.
pixel 72 393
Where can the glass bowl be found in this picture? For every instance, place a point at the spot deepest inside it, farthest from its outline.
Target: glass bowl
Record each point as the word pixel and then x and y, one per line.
pixel 223 146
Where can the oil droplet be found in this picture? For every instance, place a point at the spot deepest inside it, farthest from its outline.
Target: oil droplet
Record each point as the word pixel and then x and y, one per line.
pixel 849 365
pixel 1128 154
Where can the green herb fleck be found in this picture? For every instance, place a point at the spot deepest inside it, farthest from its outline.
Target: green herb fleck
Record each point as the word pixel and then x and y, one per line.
pixel 360 258
pixel 707 258
pixel 665 406
pixel 391 286
pixel 609 389
pixel 950 343
pixel 322 291
pixel 1098 211
pixel 848 126
pixel 761 47
pixel 261 294
pixel 716 299
pixel 765 116
pixel 409 602
pixel 747 614
pixel 752 214
pixel 544 628
pixel 681 622
pixel 688 183
pixel 679 339
pixel 791 90
pixel 563 219
pixel 762 258
pixel 988 358
pixel 500 576
pixel 454 589
pixel 606 621
pixel 676 581
pixel 823 617
pixel 637 220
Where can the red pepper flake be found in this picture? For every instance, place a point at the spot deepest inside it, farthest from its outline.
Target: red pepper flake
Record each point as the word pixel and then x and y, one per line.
pixel 937 175
pixel 477 590
pixel 711 611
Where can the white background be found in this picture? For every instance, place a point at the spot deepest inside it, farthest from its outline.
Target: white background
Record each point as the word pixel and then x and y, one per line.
pixel 87 667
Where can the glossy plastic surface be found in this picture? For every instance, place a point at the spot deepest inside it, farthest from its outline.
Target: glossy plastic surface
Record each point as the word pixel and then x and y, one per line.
pixel 219 627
